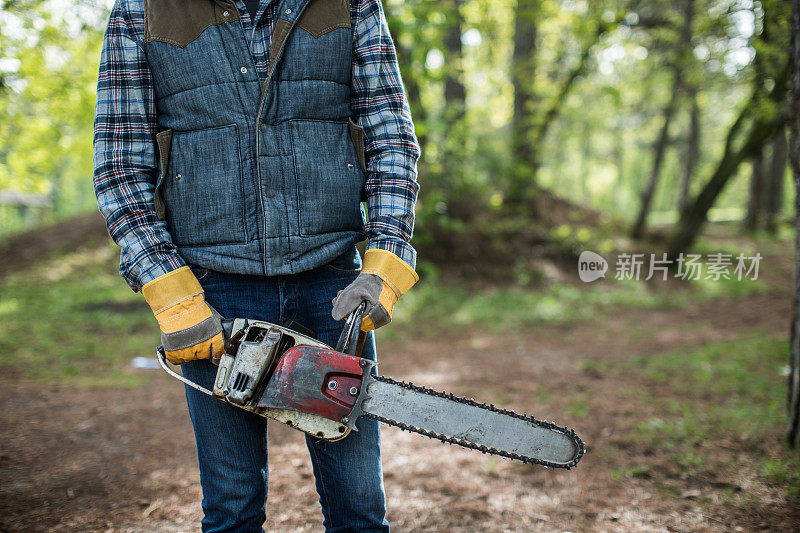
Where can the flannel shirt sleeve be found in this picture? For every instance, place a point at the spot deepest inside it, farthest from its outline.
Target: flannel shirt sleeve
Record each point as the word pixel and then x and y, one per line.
pixel 380 106
pixel 125 151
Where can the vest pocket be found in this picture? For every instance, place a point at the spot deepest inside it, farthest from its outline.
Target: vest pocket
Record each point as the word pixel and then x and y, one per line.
pixel 357 134
pixel 328 176
pixel 163 141
pixel 203 188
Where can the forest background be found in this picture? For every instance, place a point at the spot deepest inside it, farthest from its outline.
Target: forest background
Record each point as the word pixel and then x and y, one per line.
pixel 548 128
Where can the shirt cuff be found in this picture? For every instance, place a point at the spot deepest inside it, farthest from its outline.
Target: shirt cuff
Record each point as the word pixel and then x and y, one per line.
pixel 400 248
pixel 156 270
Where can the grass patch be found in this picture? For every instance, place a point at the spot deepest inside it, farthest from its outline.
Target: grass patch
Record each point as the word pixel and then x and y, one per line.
pixel 735 387
pixel 740 381
pixel 732 391
pixel 431 306
pixel 578 406
pixel 633 472
pixel 597 367
pixel 673 430
pixel 784 470
pixel 74 319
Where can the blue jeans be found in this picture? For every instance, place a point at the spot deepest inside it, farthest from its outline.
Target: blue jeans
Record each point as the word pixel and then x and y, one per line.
pixel 232 443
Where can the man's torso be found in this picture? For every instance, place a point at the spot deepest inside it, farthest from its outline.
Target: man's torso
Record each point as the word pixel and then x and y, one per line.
pixel 260 171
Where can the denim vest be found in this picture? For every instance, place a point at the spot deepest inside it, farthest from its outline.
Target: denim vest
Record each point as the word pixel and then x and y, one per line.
pixel 256 180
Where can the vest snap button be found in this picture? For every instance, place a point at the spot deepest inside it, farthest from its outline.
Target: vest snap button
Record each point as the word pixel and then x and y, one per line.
pixel 243 70
pixel 288 11
pixel 263 127
pixel 178 176
pixel 349 166
pixel 225 13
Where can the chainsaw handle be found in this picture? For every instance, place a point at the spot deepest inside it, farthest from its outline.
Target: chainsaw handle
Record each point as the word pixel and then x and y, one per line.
pixel 227 327
pixel 350 340
pixel 162 360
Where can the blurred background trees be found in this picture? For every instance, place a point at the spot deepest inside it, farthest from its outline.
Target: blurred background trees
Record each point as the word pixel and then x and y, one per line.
pixel 49 57
pixel 547 127
pixel 539 120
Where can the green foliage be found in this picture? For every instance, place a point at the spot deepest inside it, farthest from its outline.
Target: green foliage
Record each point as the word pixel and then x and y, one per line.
pixel 48 79
pixel 578 406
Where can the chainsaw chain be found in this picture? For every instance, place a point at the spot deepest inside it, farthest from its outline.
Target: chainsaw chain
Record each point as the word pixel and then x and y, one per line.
pixel 579 445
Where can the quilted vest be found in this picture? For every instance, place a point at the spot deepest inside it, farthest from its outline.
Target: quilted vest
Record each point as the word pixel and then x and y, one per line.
pixel 256 178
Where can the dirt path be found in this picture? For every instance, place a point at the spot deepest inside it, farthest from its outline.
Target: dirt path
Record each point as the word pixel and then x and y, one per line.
pixel 124 460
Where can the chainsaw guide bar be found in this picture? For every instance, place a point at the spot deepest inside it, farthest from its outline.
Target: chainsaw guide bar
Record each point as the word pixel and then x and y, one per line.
pixel 519 437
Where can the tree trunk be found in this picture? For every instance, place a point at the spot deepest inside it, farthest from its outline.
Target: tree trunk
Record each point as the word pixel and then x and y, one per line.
pixel 455 96
pixel 755 202
pixel 793 433
pixel 692 153
pixel 619 162
pixel 529 125
pixel 695 217
pixel 523 72
pixel 659 150
pixel 777 174
pixel 663 140
pixel 586 158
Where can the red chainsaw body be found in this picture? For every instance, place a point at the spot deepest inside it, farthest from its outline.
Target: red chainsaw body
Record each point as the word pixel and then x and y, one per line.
pixel 316 381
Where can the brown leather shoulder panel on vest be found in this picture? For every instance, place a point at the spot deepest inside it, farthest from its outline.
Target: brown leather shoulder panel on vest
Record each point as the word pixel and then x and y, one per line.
pixel 180 22
pixel 280 31
pixel 322 16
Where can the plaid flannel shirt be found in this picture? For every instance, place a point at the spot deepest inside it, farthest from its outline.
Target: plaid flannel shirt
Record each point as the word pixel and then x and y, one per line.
pixel 125 127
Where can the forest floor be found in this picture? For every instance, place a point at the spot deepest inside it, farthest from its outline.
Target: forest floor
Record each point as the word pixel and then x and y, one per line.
pixel 680 402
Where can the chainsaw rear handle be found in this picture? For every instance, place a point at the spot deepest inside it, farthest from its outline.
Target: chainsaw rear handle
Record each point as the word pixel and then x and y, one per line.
pixel 227 328
pixel 351 340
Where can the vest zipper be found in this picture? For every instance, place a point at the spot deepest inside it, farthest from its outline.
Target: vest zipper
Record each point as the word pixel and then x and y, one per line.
pixel 271 72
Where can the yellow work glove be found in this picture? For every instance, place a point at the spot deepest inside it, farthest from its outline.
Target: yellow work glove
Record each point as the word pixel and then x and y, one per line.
pixel 384 278
pixel 190 328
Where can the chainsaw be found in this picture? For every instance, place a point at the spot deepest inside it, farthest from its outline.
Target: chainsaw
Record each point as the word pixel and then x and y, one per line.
pixel 285 374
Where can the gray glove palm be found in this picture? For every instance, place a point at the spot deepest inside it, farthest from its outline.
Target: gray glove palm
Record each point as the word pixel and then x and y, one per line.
pixel 365 287
pixel 195 336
